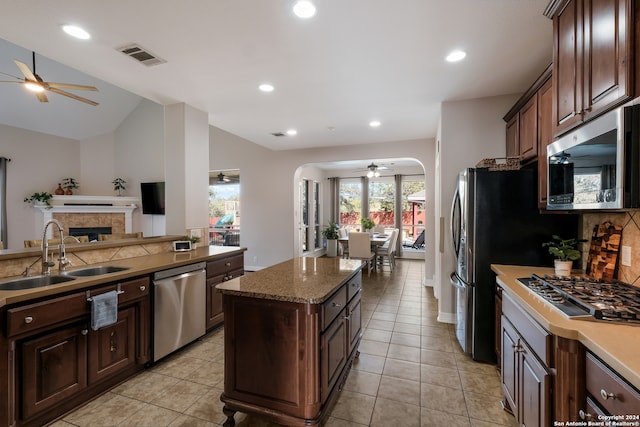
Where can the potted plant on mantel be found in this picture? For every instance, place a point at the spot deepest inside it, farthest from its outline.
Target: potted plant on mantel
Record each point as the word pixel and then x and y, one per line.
pixel 69 184
pixel 331 234
pixel 565 252
pixel 118 185
pixel 40 199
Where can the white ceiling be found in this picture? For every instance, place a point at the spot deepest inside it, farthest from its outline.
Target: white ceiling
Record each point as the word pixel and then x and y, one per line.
pixel 355 61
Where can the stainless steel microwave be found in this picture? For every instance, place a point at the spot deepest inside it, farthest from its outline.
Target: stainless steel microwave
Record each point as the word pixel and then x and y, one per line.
pixel 597 166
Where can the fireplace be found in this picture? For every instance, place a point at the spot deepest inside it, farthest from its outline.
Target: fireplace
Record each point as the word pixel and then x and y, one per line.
pixel 91 232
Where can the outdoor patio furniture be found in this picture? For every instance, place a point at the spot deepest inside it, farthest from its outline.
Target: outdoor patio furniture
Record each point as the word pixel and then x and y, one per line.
pixel 417 244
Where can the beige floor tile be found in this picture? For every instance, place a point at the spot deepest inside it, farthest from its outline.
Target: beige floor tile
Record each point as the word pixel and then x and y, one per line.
pixel 447 377
pixel 147 386
pixel 354 407
pixel 410 340
pixel 407 328
pixel 486 408
pixel 363 382
pixel 187 421
pixel 111 410
pixel 488 385
pixel 401 369
pixel 383 308
pixel 181 395
pixel 437 343
pixel 383 325
pixel 393 413
pixel 435 331
pixel 211 374
pixel 151 415
pixel 437 358
pixel 180 367
pixel 404 318
pixel 337 422
pixel 375 348
pixel 377 335
pixel 61 423
pixel 400 390
pixel 369 363
pixel 404 352
pixel 432 418
pixel 447 399
pixel 480 423
pixel 378 315
pixel 208 407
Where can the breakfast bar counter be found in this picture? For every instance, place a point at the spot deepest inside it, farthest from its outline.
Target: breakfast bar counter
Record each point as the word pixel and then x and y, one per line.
pixel 291 333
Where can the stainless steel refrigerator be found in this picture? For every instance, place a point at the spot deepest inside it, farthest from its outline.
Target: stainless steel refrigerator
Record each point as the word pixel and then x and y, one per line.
pixel 495 220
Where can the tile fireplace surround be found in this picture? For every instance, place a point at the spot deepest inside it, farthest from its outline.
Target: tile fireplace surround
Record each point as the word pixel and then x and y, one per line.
pixel 90 211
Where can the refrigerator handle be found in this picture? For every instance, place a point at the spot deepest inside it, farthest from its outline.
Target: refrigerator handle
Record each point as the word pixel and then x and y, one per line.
pixel 455 205
pixel 455 282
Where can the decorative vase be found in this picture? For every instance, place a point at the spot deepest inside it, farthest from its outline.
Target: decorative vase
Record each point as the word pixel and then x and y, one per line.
pixel 562 268
pixel 332 248
pixel 68 192
pixel 59 191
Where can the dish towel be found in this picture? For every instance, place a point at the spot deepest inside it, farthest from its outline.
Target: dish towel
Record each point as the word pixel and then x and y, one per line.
pixel 104 310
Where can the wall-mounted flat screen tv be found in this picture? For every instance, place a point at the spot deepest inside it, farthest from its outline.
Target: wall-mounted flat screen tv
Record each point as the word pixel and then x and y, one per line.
pixel 152 197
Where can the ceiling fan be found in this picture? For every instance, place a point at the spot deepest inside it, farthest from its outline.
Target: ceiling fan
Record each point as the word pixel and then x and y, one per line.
pixel 224 179
pixel 373 170
pixel 38 86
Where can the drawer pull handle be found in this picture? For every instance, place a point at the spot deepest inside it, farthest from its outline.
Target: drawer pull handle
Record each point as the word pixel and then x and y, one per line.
pixel 584 415
pixel 28 319
pixel 228 264
pixel 143 288
pixel 335 304
pixel 84 331
pixel 606 395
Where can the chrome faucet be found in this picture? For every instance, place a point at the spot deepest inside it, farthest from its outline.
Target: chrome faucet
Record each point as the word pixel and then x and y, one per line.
pixel 63 262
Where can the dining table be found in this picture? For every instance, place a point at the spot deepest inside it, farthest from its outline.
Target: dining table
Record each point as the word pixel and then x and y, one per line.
pixel 377 240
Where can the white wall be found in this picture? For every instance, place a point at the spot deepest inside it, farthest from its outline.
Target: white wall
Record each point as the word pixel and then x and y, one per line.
pixel 38 163
pixel 468 132
pixel 97 166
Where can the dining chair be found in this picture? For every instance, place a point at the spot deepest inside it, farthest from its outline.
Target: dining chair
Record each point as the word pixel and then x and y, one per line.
pixel 388 250
pixel 360 248
pixel 344 246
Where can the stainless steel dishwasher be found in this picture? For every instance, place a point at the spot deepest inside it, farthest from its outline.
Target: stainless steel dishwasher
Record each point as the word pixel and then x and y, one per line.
pixel 179 307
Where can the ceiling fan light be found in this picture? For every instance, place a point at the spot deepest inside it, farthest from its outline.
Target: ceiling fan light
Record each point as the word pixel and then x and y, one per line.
pixel 34 87
pixel 77 32
pixel 370 174
pixel 304 9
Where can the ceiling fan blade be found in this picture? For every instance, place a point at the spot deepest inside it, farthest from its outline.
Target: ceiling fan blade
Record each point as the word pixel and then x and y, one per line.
pixel 71 95
pixel 10 81
pixel 42 97
pixel 20 79
pixel 71 86
pixel 24 68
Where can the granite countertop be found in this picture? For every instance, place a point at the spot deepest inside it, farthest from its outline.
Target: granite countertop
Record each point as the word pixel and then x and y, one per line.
pixel 138 266
pixel 301 280
pixel 617 345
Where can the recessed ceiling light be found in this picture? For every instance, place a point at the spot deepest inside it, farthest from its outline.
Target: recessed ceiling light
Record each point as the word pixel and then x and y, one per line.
pixel 292 132
pixel 304 9
pixel 76 32
pixel 456 55
pixel 374 123
pixel 266 87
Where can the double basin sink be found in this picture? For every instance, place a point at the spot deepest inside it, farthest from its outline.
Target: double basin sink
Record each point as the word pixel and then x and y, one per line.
pixel 38 281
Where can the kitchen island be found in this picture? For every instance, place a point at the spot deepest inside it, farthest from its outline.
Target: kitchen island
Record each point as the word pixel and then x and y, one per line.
pixel 291 333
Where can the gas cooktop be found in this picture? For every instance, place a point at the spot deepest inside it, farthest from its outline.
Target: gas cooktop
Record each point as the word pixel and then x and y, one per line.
pixel 588 298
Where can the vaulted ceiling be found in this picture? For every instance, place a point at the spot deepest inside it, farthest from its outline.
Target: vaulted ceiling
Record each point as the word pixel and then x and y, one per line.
pixel 353 62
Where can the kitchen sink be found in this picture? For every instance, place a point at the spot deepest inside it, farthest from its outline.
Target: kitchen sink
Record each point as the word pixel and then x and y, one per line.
pixel 94 271
pixel 33 282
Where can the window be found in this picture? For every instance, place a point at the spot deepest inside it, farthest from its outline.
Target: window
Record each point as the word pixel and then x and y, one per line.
pixel 350 203
pixel 413 214
pixel 381 202
pixel 224 208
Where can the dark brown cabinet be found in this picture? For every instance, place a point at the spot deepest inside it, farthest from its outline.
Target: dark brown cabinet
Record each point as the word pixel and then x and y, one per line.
pixel 593 58
pixel 293 357
pixel 218 271
pixel 60 362
pixel 545 137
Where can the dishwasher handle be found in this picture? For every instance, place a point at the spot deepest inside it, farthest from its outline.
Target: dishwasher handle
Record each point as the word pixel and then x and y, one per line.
pixel 179 270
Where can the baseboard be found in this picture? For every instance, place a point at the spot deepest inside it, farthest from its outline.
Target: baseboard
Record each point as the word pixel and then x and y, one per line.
pixel 446 317
pixel 250 268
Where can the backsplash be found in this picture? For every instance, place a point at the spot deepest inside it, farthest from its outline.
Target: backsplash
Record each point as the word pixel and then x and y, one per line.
pixel 630 222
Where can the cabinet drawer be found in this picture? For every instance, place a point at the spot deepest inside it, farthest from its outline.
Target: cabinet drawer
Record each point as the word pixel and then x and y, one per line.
pixel 538 339
pixel 354 285
pixel 224 265
pixel 333 306
pixel 609 390
pixel 46 313
pixel 133 290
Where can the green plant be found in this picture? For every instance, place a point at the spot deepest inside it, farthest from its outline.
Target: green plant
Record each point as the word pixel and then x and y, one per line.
pixel 119 185
pixel 43 197
pixel 367 223
pixel 70 183
pixel 331 231
pixel 192 239
pixel 563 249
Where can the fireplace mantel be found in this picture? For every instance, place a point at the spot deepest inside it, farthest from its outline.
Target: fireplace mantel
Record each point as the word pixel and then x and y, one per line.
pixel 91 205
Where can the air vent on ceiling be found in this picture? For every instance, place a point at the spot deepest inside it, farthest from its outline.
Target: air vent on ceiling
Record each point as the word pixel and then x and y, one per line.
pixel 141 55
pixel 278 134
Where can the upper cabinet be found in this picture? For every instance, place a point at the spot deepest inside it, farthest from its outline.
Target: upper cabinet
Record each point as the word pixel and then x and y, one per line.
pixel 593 58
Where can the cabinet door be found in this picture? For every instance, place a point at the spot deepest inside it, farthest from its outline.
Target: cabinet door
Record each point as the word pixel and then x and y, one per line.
pixel 545 136
pixel 54 369
pixel 535 391
pixel 355 322
pixel 567 67
pixel 513 130
pixel 606 54
pixel 333 354
pixel 528 132
pixel 215 315
pixel 498 326
pixel 509 362
pixel 112 348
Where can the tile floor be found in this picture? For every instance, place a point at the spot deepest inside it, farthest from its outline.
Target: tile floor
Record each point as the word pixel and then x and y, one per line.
pixel 410 373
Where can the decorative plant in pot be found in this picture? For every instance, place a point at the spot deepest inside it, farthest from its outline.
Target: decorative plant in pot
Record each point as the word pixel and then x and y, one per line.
pixel 69 184
pixel 331 234
pixel 40 199
pixel 367 224
pixel 193 239
pixel 565 251
pixel 119 185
